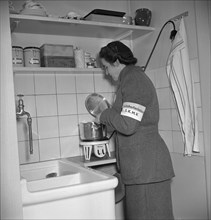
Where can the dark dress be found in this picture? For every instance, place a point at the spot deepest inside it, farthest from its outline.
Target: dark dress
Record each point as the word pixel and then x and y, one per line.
pixel 143 158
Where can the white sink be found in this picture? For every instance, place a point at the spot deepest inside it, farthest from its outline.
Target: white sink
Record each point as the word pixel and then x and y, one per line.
pixel 49 175
pixel 61 189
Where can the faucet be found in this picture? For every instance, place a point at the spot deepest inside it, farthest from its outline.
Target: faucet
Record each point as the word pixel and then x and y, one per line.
pixel 21 113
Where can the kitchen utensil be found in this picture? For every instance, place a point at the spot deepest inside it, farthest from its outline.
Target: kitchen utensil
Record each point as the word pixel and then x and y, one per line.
pixel 143 17
pixel 96 104
pixel 92 131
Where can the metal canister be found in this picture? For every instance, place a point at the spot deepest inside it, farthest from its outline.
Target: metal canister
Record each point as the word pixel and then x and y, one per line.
pixel 32 56
pixel 17 56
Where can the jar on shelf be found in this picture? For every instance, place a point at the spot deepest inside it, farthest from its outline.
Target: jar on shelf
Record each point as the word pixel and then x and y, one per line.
pixel 143 17
pixel 17 56
pixel 32 56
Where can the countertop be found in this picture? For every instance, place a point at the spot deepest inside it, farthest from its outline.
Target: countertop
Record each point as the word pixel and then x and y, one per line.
pixel 94 161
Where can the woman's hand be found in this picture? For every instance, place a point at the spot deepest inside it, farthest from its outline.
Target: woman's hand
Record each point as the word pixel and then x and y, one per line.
pixel 97 118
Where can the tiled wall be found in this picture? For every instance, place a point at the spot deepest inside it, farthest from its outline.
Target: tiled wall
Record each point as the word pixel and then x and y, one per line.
pixel 56 102
pixel 168 124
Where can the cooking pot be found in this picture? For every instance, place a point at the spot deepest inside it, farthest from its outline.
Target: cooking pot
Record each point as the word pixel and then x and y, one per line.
pixel 92 131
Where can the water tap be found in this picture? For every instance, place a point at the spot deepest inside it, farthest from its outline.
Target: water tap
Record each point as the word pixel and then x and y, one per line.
pixel 21 112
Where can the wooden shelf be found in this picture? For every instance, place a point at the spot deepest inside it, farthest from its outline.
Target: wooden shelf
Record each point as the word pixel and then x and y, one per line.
pixel 41 70
pixel 70 27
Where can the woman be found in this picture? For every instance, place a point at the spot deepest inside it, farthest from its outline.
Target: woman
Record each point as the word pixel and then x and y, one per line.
pixel 143 158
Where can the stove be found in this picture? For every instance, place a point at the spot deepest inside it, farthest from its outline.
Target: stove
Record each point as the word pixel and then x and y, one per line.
pixel 100 148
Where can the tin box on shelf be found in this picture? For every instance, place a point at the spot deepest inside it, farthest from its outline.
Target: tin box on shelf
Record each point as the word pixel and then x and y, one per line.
pixel 56 55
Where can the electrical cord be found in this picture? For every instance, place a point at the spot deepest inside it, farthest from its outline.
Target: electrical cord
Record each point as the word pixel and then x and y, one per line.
pixel 172 36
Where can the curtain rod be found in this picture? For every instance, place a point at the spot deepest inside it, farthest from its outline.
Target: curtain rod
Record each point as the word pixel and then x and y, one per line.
pixel 179 16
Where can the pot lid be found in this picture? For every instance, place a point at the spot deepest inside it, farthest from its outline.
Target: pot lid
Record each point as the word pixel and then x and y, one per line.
pixel 96 104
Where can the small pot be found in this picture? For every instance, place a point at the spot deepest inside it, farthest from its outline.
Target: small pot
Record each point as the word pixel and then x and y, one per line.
pixel 92 131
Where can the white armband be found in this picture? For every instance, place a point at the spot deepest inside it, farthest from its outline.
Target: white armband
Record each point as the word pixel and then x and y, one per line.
pixel 133 110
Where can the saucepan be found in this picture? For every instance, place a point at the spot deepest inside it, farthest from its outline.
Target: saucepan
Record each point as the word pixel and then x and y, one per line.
pixel 93 131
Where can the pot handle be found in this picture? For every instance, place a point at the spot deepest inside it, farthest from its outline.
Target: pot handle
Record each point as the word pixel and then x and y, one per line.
pixel 96 125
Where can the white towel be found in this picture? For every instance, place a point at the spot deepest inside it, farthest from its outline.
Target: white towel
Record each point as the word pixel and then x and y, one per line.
pixel 181 81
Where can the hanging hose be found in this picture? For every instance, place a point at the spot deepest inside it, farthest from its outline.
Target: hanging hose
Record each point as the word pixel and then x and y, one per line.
pixel 172 36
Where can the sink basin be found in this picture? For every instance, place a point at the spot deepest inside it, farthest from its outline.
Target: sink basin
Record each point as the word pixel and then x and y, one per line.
pixel 61 189
pixel 49 175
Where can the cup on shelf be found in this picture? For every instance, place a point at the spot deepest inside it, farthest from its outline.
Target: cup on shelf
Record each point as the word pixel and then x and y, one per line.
pixel 127 20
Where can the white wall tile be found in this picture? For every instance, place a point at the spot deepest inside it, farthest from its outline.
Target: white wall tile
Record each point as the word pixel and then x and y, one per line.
pixel 81 103
pixel 46 105
pixel 178 144
pixel 48 127
pixel 69 146
pixel 165 120
pixel 167 137
pixel 68 125
pixel 24 153
pixel 151 75
pixel 84 83
pixel 161 80
pixel 201 144
pixel 24 84
pixel 65 83
pixel 49 149
pixel 67 104
pixel 164 98
pixel 45 84
pixel 175 120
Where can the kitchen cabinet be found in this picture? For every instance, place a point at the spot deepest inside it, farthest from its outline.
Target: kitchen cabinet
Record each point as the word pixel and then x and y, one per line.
pixel 69 27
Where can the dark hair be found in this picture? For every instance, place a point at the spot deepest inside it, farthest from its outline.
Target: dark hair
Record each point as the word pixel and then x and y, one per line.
pixel 117 50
